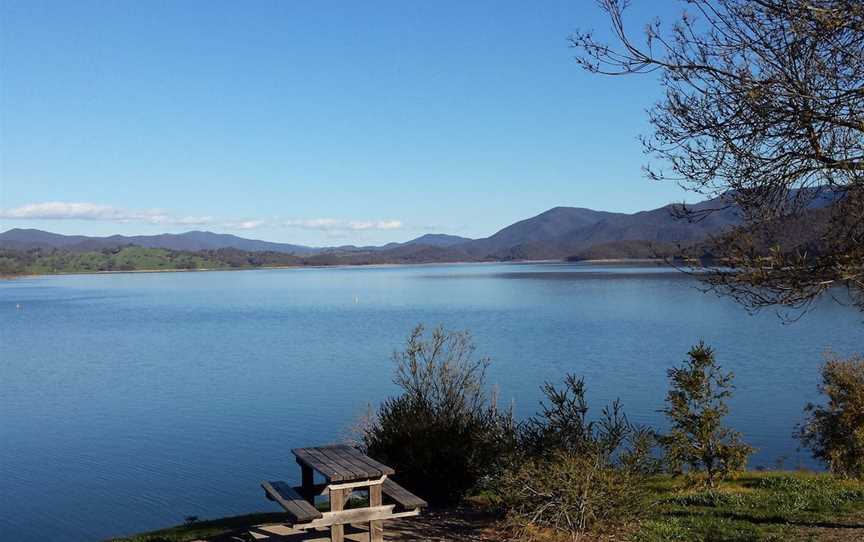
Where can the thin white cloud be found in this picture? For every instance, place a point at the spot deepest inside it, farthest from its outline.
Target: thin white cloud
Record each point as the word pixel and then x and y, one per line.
pixel 335 224
pixel 245 224
pixel 376 225
pixel 314 223
pixel 59 210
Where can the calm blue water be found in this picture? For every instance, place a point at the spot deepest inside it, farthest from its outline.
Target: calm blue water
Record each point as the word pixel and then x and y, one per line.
pixel 130 401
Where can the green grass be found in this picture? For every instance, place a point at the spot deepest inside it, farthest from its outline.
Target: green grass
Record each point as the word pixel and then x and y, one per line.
pixel 755 506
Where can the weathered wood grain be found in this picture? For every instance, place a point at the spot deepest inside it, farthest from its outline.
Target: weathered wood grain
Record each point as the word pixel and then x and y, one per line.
pixel 331 470
pixel 402 496
pixel 291 501
pixel 376 527
pixel 365 459
pixel 340 463
pixel 337 503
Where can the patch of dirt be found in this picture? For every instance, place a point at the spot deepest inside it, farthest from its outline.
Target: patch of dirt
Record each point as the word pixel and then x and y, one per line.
pixel 848 529
pixel 462 524
pixel 446 525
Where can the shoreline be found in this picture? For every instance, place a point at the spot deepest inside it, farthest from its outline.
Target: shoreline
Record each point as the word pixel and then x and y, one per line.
pixel 476 519
pixel 618 261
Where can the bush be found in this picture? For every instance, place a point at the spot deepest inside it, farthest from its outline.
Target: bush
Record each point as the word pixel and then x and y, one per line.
pixel 563 426
pixel 576 475
pixel 834 432
pixel 696 406
pixel 571 494
pixel 445 433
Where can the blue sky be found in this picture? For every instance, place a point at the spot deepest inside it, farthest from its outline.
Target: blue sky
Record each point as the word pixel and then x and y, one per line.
pixel 312 122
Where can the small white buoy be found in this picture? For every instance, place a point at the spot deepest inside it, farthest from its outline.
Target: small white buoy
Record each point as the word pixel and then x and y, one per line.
pixel 18 306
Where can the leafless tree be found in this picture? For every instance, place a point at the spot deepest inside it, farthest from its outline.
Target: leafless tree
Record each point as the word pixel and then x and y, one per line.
pixel 763 109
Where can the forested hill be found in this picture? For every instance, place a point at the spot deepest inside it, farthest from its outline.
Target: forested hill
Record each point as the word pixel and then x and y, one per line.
pixel 135 258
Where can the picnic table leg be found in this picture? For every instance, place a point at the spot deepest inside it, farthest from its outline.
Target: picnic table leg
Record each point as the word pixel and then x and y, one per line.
pixel 376 528
pixel 308 482
pixel 337 503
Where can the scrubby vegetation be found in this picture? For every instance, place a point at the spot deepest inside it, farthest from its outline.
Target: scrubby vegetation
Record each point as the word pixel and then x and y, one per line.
pixel 445 433
pixel 574 474
pixel 561 473
pixel 835 430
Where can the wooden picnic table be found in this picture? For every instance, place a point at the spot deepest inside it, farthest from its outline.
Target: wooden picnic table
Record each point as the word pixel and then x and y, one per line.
pixel 344 470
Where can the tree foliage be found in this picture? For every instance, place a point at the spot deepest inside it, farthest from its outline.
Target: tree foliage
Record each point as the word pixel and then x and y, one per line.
pixel 834 431
pixel 444 433
pixel 695 407
pixel 763 109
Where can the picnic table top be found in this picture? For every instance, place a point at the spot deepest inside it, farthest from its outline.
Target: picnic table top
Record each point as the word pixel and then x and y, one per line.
pixel 341 463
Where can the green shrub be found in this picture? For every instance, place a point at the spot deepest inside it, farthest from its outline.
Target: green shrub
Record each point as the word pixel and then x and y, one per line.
pixel 571 494
pixel 834 431
pixel 563 426
pixel 444 434
pixel 576 475
pixel 696 406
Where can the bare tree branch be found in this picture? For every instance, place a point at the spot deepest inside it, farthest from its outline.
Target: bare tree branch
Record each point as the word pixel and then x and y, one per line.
pixel 763 105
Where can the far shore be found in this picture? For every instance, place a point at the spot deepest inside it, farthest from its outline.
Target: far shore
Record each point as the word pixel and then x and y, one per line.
pixel 615 261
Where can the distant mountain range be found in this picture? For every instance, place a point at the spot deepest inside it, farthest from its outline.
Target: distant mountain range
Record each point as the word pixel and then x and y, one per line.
pixel 561 232
pixel 192 241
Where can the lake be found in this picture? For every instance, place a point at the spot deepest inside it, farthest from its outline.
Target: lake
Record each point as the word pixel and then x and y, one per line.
pixel 130 401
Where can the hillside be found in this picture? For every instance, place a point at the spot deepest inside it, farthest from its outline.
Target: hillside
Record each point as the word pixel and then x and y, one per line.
pixel 23 239
pixel 544 231
pixel 563 232
pixel 560 233
pixel 129 258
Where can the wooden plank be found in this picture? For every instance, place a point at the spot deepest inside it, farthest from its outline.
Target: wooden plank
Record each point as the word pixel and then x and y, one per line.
pixel 358 470
pixel 324 489
pixel 337 503
pixel 356 458
pixel 306 457
pixel 292 502
pixel 360 456
pixel 402 496
pixel 348 472
pixel 376 527
pixel 357 515
pixel 330 470
pixel 357 485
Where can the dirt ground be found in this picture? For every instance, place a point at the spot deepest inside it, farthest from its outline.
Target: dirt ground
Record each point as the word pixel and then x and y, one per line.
pixel 460 524
pixel 450 525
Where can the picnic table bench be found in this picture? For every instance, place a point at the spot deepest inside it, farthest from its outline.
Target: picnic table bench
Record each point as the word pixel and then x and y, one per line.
pixel 344 470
